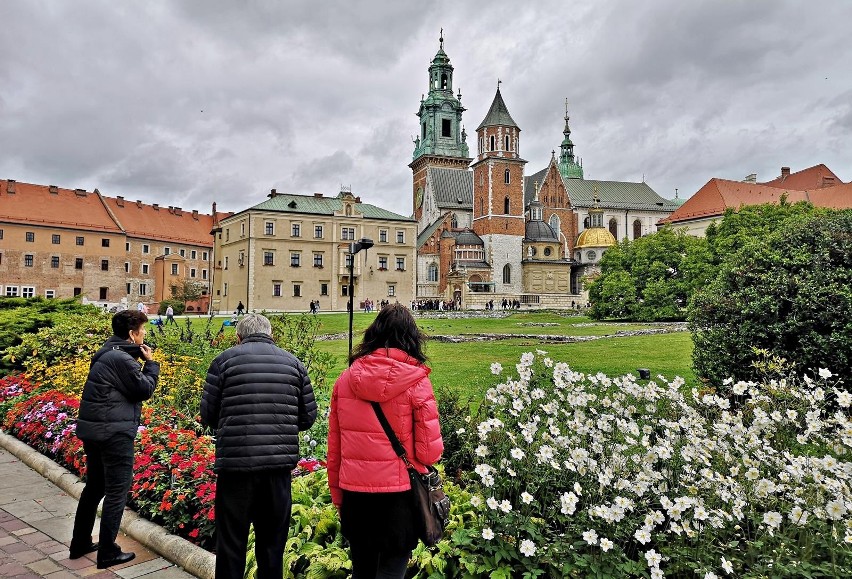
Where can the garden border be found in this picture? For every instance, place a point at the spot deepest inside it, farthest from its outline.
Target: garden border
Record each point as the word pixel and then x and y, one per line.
pixel 179 551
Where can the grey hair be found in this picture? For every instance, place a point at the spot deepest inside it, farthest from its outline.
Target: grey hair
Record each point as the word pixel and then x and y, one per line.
pixel 254 324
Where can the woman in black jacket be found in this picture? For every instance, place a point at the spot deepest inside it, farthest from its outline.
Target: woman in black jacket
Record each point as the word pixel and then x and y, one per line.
pixel 107 424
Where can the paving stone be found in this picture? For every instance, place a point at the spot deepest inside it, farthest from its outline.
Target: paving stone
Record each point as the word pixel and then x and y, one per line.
pixel 50 547
pixel 12 569
pixel 7 540
pixel 28 556
pixel 44 566
pixel 24 531
pixel 76 564
pixel 13 525
pixel 139 569
pixel 16 547
pixel 64 574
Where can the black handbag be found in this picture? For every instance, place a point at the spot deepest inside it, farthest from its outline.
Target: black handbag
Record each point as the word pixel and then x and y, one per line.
pixel 430 503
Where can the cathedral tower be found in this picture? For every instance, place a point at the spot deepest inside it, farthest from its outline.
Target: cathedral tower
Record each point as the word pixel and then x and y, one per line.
pixel 441 141
pixel 569 166
pixel 498 194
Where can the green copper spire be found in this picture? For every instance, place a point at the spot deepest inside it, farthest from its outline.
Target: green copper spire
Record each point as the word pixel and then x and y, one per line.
pixel 441 131
pixel 568 165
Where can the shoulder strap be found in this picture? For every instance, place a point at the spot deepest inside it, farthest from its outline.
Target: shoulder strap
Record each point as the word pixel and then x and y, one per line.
pixel 397 446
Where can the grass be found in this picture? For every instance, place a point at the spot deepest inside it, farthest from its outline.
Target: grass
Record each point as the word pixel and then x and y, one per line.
pixel 465 366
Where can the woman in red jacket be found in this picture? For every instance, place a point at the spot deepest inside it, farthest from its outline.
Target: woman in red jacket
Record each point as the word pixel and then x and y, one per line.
pixel 369 483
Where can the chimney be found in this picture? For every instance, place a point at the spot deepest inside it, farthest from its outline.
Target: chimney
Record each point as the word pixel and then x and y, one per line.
pixel 156 206
pixel 318 195
pixel 138 204
pixel 272 193
pixel 195 214
pixel 178 211
pixel 827 181
pixel 214 209
pixel 750 178
pixel 357 200
pixel 53 189
pixel 10 186
pixel 119 200
pixel 80 192
pixel 785 172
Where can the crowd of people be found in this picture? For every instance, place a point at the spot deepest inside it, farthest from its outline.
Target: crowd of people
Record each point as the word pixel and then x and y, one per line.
pixel 257 397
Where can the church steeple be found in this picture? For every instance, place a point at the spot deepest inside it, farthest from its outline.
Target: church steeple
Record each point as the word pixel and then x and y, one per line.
pixel 441 131
pixel 569 167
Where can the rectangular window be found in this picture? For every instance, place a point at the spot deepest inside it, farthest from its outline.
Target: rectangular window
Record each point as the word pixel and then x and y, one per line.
pixel 144 269
pixel 383 235
pixel 182 252
pixel 318 231
pixel 225 289
pixel 78 263
pixel 1 234
pixel 347 233
pixel 127 268
pixel 203 274
pixel 297 230
pixel 276 290
pixel 192 272
pixel 54 262
pixel 105 242
pixel 77 291
pixel 127 246
pixel 400 236
pixel 446 128
pixel 11 291
pixel 400 264
pixel 297 290
pixel 295 259
pixel 317 260
pixel 242 229
pixel 167 251
pixel 193 254
pixel 204 255
pixel 104 265
pixel 80 240
pixel 344 289
pixel 50 294
pixel 28 260
pixel 174 269
pixel 323 289
pixel 269 228
pixel 145 248
pixel 348 260
pixel 127 288
pixel 27 291
pixel 102 293
pixel 268 258
pixel 30 236
pixel 383 262
pixel 226 262
pixel 143 289
pixel 55 239
pixel 391 290
pixel 241 259
pixel 227 237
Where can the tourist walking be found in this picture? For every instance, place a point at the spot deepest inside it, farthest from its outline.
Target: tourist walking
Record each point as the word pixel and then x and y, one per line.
pixel 170 315
pixel 240 308
pixel 107 423
pixel 369 483
pixel 257 398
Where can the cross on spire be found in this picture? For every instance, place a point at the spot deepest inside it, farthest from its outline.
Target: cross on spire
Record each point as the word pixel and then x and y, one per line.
pixel 498 83
pixel 442 39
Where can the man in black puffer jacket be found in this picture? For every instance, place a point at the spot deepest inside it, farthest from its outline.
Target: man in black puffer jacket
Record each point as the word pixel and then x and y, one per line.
pixel 107 424
pixel 257 398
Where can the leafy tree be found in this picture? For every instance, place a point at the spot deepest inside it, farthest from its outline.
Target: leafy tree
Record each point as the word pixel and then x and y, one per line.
pixel 789 294
pixel 187 290
pixel 650 278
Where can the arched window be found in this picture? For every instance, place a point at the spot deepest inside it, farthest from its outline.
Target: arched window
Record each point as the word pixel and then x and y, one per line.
pixel 507 273
pixel 507 177
pixel 444 81
pixel 613 227
pixel 637 229
pixel 506 206
pixel 554 224
pixel 493 142
pixel 586 223
pixel 506 143
pixel 454 223
pixel 433 272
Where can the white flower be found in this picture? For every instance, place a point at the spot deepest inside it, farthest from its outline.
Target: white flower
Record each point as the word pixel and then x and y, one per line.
pixel 481 451
pixel 656 573
pixel 654 559
pixel 835 509
pixel 568 502
pixel 526 498
pixel 590 536
pixel 710 575
pixel 505 506
pixel 798 516
pixel 475 500
pixel 487 534
pixel 844 398
pixel 492 503
pixel 772 519
pixel 825 373
pixel 606 544
pixel 496 368
pixel 642 535
pixel 726 565
pixel 527 548
pixel 517 453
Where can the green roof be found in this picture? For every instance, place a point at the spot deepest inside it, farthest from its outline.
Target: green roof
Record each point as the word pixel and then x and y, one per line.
pixel 498 114
pixel 311 204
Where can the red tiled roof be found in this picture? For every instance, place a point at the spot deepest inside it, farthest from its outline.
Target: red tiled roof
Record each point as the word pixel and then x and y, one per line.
pixel 720 194
pixel 65 208
pixel 161 223
pixel 814 177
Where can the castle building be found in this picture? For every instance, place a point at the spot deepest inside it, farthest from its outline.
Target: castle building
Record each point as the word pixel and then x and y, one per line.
pixel 487 231
pixel 291 250
pixel 61 243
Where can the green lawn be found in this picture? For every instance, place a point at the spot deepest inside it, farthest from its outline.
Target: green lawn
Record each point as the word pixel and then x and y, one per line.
pixel 466 366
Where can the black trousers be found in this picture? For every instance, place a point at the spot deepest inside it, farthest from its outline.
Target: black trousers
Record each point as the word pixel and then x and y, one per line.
pixel 109 473
pixel 261 498
pixel 371 564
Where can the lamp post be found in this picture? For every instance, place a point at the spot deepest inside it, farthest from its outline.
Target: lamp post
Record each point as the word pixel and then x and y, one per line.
pixel 354 248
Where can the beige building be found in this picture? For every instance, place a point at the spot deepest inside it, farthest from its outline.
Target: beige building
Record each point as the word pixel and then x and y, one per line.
pixel 292 249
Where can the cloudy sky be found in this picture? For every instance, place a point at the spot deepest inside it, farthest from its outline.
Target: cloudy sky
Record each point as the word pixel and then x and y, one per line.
pixel 189 102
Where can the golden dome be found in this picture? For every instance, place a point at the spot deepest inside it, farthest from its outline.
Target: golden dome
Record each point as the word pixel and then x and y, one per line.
pixel 595 237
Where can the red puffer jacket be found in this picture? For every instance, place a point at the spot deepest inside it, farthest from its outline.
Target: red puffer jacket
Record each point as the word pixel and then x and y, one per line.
pixel 360 456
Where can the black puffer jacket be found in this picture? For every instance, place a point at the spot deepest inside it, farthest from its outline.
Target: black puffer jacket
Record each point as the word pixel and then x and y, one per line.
pixel 114 391
pixel 257 398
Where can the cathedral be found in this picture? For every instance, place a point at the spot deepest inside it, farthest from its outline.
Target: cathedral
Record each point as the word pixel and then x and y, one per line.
pixel 487 231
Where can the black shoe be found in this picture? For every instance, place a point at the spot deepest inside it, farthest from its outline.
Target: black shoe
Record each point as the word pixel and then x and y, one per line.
pixel 122 557
pixel 77 552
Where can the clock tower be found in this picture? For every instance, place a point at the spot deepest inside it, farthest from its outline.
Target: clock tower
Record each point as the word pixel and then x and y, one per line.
pixel 441 139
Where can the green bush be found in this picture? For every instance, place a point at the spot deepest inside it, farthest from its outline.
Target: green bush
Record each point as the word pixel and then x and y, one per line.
pixel 177 305
pixel 789 294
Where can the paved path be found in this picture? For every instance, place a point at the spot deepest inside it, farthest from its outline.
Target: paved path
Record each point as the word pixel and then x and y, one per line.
pixel 35 528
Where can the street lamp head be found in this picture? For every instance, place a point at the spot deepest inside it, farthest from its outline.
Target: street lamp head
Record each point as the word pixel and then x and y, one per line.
pixel 362 243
